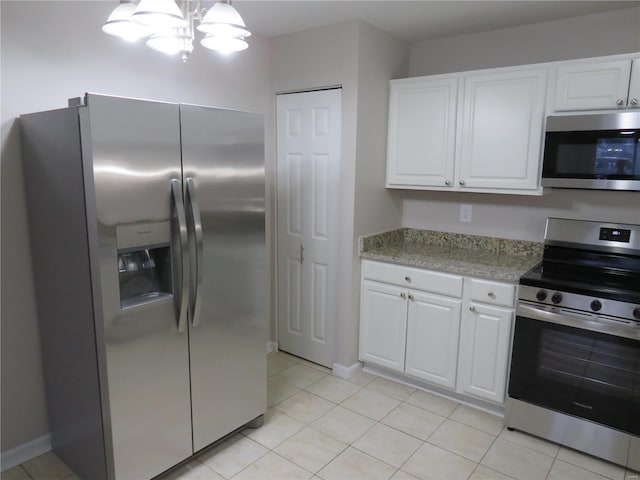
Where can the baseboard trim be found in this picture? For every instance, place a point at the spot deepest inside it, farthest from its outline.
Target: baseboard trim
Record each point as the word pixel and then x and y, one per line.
pixel 478 404
pixel 346 372
pixel 24 452
pixel 272 346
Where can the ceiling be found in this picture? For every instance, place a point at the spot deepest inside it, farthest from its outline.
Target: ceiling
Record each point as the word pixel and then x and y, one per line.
pixel 412 20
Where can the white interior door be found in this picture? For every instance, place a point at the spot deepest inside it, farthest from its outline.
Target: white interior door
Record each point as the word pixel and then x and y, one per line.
pixel 308 165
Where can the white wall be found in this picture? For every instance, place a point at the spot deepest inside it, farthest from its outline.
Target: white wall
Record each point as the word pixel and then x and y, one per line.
pixel 595 35
pixel 324 57
pixel 512 216
pixel 381 57
pixel 362 59
pixel 51 51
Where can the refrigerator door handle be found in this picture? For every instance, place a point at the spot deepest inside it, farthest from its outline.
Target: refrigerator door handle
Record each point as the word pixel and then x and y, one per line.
pixel 176 192
pixel 196 303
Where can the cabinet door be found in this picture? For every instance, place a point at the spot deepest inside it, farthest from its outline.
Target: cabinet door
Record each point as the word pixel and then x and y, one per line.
pixel 422 119
pixel 634 85
pixel 383 325
pixel 433 325
pixel 484 351
pixel 501 131
pixel 592 86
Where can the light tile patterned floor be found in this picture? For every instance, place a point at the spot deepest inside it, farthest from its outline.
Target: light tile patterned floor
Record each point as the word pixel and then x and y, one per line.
pixel 322 427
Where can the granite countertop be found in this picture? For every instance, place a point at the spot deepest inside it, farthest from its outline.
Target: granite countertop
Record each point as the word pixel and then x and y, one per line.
pixel 471 255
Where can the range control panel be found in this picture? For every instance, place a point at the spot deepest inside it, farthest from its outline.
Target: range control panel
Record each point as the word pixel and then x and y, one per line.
pixel 615 234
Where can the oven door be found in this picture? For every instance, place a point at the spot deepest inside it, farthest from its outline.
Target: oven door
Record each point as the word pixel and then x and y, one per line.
pixel 584 367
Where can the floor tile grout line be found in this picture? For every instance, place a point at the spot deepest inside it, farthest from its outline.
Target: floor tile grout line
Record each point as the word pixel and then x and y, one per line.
pixel 350 444
pixel 308 423
pixel 327 463
pixel 485 454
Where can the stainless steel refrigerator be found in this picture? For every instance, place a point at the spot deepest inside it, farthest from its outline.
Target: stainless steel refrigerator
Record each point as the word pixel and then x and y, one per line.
pixel 148 239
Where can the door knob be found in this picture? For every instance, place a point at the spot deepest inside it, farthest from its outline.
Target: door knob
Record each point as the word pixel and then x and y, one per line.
pixel 410 296
pixel 407 279
pixel 620 102
pixel 491 295
pixel 461 182
pixel 633 101
pixel 447 182
pixel 472 308
pixel 403 295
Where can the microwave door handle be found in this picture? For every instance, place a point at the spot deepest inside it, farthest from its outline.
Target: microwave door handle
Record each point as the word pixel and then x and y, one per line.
pixel 196 303
pixel 176 193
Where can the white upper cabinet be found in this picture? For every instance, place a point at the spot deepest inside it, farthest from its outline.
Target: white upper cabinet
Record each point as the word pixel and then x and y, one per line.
pixel 634 85
pixel 473 131
pixel 422 132
pixel 597 85
pixel 501 130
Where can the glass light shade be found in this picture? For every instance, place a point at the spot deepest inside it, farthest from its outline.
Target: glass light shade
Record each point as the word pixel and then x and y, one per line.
pixel 224 44
pixel 172 42
pixel 226 30
pixel 120 24
pixel 159 14
pixel 223 19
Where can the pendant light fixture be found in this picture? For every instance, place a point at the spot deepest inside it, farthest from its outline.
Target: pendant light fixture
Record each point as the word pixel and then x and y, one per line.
pixel 169 26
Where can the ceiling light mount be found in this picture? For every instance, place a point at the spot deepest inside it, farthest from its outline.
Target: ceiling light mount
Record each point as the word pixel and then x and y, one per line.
pixel 169 26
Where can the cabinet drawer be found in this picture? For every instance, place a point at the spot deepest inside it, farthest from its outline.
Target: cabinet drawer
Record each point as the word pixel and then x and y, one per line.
pixel 414 278
pixel 493 293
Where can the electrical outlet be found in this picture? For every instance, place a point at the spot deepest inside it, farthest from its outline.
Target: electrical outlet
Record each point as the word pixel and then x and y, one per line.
pixel 465 212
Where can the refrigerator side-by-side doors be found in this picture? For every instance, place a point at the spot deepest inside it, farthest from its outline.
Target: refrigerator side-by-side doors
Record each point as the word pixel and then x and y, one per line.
pixel 223 171
pixel 137 221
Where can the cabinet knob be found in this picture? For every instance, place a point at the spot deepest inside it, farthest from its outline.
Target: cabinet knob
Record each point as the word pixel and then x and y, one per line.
pixel 447 182
pixel 620 102
pixel 410 296
pixel 461 182
pixel 491 295
pixel 407 279
pixel 403 295
pixel 472 308
pixel 633 101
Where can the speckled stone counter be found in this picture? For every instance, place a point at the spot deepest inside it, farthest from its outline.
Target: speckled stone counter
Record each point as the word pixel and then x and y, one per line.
pixel 471 255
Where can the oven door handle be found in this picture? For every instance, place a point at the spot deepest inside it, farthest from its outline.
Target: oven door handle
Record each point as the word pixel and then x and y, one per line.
pixel 608 327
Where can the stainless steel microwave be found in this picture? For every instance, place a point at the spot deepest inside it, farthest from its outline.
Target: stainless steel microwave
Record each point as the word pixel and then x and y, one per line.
pixel 600 151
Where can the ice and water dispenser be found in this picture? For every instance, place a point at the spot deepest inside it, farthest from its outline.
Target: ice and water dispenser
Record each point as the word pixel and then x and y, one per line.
pixel 144 262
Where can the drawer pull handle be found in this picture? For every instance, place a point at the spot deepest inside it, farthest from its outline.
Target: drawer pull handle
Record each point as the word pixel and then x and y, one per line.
pixel 408 279
pixel 491 295
pixel 403 295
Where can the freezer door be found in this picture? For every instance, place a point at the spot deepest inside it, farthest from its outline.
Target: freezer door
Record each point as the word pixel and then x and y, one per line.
pixel 223 167
pixel 132 155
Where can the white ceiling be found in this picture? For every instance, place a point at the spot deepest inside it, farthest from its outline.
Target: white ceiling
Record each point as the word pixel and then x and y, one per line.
pixel 412 20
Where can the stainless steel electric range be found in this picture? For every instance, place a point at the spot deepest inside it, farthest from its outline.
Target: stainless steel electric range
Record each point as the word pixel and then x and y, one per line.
pixel 575 364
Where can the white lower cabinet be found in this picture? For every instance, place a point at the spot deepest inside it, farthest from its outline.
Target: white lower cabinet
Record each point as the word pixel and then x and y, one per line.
pixel 443 329
pixel 484 351
pixel 383 335
pixel 433 324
